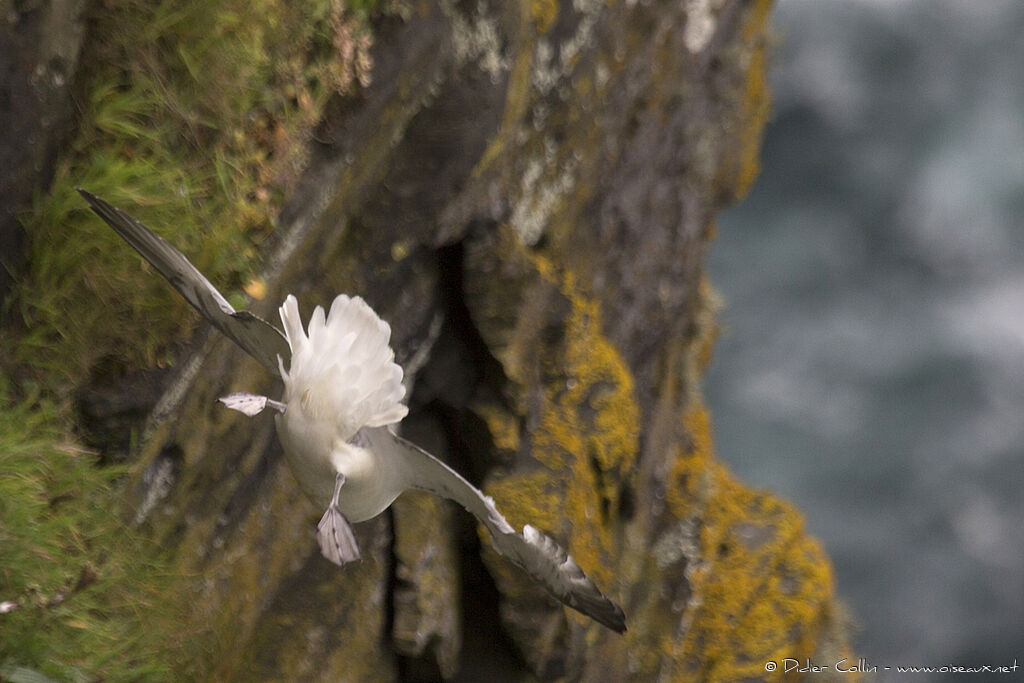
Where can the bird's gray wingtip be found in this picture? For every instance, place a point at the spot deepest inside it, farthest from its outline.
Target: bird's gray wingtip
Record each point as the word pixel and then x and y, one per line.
pixel 619 622
pixel 95 202
pixel 608 614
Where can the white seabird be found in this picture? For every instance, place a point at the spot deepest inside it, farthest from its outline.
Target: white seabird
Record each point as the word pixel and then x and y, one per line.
pixel 342 397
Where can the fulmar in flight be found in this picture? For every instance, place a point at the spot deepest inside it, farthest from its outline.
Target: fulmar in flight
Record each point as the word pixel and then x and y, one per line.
pixel 342 398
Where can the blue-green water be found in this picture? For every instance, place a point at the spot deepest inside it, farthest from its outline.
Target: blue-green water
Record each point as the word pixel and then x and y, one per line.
pixel 872 366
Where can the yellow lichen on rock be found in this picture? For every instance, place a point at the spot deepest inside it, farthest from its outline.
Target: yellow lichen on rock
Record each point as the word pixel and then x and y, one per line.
pixel 503 427
pixel 707 325
pixel 544 13
pixel 590 421
pixel 761 586
pixel 688 476
pixel 530 497
pixel 586 438
pixel 756 99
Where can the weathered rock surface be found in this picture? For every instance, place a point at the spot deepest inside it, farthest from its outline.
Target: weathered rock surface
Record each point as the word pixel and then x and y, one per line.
pixel 39 50
pixel 526 191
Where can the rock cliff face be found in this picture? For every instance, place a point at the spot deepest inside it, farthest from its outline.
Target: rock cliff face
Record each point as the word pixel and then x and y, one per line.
pixel 526 192
pixel 39 49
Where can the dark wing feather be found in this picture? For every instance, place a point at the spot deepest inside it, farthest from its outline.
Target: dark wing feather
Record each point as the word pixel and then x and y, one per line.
pixel 257 337
pixel 538 554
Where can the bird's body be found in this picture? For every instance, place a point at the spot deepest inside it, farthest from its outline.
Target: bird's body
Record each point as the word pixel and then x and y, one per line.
pixel 342 379
pixel 371 482
pixel 342 397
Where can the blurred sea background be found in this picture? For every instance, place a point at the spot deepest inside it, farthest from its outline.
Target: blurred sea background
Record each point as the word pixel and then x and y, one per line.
pixel 871 366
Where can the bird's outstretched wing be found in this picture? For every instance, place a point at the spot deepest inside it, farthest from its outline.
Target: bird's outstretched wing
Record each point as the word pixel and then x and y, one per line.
pixel 257 337
pixel 538 554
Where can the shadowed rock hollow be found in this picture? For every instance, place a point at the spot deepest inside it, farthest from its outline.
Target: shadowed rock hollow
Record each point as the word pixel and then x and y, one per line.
pixel 526 191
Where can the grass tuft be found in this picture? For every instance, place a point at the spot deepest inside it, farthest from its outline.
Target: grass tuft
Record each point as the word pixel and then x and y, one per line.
pixel 194 116
pixel 79 587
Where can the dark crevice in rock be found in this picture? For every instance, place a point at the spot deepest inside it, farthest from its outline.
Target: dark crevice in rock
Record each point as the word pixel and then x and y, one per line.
pixel 487 651
pixel 470 448
pixel 627 503
pixel 418 669
pixel 460 371
pixel 491 375
pixel 599 484
pixel 113 406
pixel 403 664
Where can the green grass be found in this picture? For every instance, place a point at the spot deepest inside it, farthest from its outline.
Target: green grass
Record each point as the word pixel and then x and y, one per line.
pixel 194 116
pixel 86 587
pixel 195 119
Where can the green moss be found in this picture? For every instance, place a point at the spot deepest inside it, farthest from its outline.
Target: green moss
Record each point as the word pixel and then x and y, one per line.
pixel 89 591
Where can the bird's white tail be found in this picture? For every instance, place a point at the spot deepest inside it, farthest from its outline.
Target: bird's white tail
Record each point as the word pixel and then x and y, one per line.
pixel 344 366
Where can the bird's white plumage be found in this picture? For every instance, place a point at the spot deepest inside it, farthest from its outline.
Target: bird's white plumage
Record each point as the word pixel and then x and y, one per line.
pixel 342 391
pixel 342 378
pixel 344 367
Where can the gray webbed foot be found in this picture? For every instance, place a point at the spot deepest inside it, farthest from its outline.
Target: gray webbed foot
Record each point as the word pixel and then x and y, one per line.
pixel 334 532
pixel 251 405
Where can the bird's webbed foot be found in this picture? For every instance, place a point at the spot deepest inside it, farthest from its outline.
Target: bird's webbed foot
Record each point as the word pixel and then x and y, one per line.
pixel 334 532
pixel 251 405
